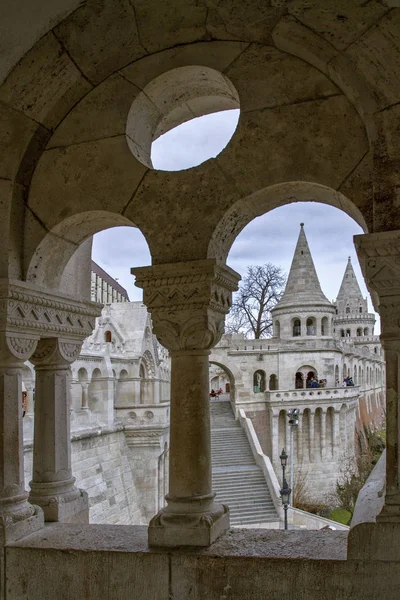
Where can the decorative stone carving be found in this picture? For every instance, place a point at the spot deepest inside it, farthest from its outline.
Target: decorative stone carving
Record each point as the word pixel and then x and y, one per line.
pixel 188 301
pixel 42 313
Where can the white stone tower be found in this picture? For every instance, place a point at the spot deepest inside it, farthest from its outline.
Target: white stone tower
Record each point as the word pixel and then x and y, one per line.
pixel 352 317
pixel 303 310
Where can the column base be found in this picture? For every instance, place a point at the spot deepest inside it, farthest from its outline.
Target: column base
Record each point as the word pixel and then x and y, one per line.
pixel 13 528
pixel 170 529
pixel 375 541
pixel 70 507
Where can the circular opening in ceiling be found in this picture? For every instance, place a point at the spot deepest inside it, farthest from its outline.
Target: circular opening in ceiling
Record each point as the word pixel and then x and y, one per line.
pixel 175 98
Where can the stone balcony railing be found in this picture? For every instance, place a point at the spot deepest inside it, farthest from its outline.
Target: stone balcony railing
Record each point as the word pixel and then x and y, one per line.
pixel 339 394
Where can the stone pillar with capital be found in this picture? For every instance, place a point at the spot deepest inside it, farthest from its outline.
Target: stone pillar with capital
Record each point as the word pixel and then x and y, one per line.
pixel 53 486
pixel 17 516
pixel 188 303
pixel 379 255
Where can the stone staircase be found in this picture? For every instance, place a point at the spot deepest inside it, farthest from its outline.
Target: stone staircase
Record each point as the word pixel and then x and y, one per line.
pixel 237 480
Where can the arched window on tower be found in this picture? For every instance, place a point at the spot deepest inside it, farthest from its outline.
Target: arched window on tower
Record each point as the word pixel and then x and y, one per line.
pixel 107 336
pixel 324 326
pixel 299 381
pixel 360 309
pixel 259 381
pixel 277 329
pixel 359 331
pixel 347 310
pixel 296 327
pixel 311 326
pixel 348 333
pixel 342 333
pixel 273 382
pixel 366 331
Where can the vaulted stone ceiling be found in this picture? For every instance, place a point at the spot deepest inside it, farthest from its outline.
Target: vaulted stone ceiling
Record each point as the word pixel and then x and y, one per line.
pixel 318 84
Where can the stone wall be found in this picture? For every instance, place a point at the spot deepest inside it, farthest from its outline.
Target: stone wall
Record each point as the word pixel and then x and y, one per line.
pixel 102 467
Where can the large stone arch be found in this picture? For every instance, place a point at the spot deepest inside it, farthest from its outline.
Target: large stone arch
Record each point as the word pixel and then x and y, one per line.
pixel 231 376
pixel 245 210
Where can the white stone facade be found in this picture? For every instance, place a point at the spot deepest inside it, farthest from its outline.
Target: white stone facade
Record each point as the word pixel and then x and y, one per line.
pixel 271 376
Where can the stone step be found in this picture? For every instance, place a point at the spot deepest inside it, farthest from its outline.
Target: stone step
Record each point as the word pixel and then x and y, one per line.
pixel 237 480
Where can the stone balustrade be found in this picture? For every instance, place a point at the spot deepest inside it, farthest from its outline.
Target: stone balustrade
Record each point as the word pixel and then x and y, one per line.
pixel 320 395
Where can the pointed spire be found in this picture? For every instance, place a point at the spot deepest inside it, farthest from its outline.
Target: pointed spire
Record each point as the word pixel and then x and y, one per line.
pixel 302 286
pixel 350 292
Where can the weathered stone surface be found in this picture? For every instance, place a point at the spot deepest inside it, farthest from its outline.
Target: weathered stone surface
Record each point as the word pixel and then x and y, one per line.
pixel 45 84
pixel 107 162
pixel 216 55
pixel 183 21
pixel 161 190
pixel 275 79
pixel 101 114
pixel 340 23
pixel 101 36
pixel 229 21
pixel 318 152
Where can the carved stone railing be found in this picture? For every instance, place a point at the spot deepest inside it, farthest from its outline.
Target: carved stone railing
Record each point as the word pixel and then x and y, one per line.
pixel 339 394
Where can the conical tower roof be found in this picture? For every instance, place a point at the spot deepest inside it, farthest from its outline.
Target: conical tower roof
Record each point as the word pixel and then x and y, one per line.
pixel 349 289
pixel 302 287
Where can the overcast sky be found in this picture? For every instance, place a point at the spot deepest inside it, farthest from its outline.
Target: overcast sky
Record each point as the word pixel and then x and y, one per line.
pixel 270 238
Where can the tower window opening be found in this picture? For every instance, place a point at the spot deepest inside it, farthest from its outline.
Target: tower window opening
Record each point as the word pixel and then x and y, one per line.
pixel 108 336
pixel 296 327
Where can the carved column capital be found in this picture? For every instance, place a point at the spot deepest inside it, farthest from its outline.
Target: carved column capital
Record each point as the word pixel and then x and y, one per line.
pixel 56 351
pixel 379 255
pixel 188 301
pixel 16 347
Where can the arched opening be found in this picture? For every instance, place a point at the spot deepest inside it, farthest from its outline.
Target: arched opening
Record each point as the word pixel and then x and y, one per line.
pixel 108 337
pixel 142 377
pixel 311 326
pixel 299 381
pixel 226 380
pixel 324 326
pixel 166 107
pixel 311 379
pixel 296 327
pixel 347 310
pixel 124 392
pixel 337 380
pixel 359 331
pixel 277 329
pixel 259 381
pixel 96 392
pixel 366 331
pixel 348 333
pixel 273 382
pixel 342 334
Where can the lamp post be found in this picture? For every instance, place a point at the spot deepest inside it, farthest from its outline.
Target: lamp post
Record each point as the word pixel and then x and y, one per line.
pixel 285 490
pixel 293 416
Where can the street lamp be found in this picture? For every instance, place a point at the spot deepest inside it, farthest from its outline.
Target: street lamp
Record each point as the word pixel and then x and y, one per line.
pixel 293 416
pixel 285 490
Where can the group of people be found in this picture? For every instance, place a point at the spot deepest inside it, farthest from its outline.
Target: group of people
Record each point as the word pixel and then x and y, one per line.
pixel 215 394
pixel 348 381
pixel 314 383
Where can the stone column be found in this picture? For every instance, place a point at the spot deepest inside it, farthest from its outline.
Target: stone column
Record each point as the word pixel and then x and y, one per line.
pixel 188 302
pixel 312 436
pixel 17 516
pixel 275 437
pixel 336 441
pixel 85 398
pixel 323 434
pixel 300 439
pixel 52 485
pixel 379 255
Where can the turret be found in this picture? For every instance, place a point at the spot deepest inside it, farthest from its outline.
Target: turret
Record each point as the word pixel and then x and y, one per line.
pixel 303 309
pixel 352 318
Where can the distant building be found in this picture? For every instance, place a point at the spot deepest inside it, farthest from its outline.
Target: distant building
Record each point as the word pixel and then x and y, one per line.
pixel 104 288
pixel 314 341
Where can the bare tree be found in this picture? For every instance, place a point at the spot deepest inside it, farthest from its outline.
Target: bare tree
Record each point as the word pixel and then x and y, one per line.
pixel 259 291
